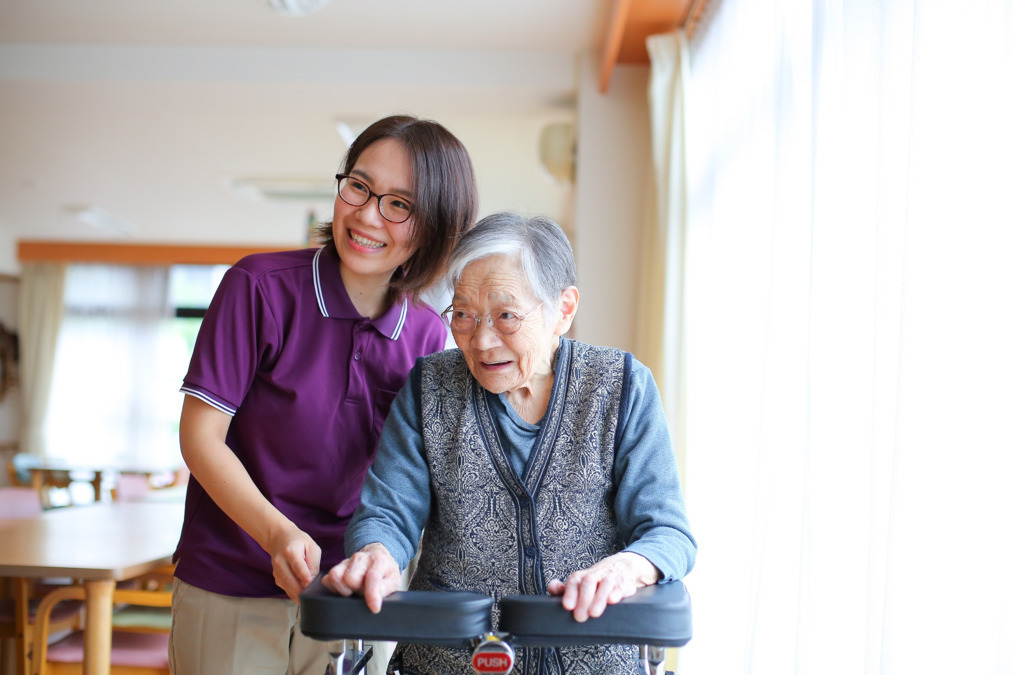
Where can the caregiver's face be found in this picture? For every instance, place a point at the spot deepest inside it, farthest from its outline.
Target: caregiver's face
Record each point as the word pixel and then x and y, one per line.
pixel 503 363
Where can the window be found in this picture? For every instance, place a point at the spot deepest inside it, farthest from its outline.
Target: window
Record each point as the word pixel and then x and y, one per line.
pixel 123 349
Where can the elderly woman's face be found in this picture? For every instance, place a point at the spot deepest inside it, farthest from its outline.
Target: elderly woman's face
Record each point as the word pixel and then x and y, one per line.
pixel 504 363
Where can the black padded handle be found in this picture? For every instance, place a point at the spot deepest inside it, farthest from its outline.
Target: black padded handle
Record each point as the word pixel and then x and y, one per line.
pixel 451 619
pixel 656 615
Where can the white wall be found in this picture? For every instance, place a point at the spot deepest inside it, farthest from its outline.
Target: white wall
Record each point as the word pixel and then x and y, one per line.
pixel 505 151
pixel 504 146
pixel 613 167
pixel 8 253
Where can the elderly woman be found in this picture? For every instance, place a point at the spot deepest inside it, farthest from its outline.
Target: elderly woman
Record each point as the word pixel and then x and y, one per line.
pixel 533 463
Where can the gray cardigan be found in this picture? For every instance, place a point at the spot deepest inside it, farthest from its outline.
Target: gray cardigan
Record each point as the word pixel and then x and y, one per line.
pixel 648 502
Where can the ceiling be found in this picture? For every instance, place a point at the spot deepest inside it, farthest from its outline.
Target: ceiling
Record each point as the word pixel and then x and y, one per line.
pixel 154 113
pixel 406 24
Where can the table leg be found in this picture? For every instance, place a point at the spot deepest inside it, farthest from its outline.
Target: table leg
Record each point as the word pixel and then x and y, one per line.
pixel 38 484
pixel 98 625
pixel 21 592
pixel 96 484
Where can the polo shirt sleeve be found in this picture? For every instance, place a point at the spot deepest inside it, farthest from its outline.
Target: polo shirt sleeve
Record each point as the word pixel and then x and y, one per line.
pixel 649 505
pixel 237 332
pixel 395 498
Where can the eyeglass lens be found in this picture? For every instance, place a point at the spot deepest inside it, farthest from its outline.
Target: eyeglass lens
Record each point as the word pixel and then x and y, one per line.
pixel 356 193
pixel 503 322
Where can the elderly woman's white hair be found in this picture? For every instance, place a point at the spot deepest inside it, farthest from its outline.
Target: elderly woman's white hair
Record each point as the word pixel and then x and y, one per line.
pixel 540 245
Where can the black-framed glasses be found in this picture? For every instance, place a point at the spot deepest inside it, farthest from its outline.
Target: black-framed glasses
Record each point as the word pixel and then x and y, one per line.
pixel 354 192
pixel 502 321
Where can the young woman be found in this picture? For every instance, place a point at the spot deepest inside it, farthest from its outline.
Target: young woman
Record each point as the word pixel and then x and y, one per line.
pixel 297 362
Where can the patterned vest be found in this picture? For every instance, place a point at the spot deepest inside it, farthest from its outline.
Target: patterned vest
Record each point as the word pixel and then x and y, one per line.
pixel 493 532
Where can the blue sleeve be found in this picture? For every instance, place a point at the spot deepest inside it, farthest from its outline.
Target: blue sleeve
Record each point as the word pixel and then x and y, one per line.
pixel 395 497
pixel 648 504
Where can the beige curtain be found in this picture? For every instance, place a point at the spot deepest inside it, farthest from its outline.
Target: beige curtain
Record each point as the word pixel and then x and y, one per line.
pixel 659 334
pixel 659 338
pixel 40 311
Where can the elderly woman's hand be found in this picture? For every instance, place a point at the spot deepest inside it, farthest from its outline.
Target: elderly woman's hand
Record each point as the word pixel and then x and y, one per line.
pixel 587 592
pixel 371 572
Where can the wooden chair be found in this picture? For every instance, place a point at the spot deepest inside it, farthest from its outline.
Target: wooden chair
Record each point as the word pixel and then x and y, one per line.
pixel 138 647
pixel 19 604
pixel 18 617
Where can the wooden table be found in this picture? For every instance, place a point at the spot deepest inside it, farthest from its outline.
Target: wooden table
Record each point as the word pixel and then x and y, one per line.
pixel 99 544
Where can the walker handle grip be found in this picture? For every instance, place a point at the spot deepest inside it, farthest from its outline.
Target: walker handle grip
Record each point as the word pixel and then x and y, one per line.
pixel 451 619
pixel 658 615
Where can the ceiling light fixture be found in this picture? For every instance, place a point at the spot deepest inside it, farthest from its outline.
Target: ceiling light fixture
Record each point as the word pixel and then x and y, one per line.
pixel 100 219
pixel 296 7
pixel 345 132
pixel 306 190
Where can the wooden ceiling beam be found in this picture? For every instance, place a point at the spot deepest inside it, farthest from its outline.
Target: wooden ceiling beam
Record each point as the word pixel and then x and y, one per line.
pixel 630 24
pixel 133 254
pixel 614 33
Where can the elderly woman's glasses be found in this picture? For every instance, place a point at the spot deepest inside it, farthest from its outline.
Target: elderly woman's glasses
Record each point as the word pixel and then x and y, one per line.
pixel 503 321
pixel 354 192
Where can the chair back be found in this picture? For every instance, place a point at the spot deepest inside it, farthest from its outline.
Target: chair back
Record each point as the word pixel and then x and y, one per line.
pixel 19 502
pixel 131 487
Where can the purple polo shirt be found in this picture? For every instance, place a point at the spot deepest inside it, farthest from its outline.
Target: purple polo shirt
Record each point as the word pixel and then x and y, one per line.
pixel 308 382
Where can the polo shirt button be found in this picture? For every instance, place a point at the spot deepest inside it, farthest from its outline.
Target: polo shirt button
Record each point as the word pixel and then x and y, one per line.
pixel 529 551
pixel 357 356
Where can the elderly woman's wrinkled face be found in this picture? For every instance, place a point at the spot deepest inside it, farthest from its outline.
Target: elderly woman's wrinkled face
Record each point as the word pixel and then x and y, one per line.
pixel 505 363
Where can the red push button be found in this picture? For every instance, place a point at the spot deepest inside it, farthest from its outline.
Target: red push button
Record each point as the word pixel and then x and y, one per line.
pixel 493 656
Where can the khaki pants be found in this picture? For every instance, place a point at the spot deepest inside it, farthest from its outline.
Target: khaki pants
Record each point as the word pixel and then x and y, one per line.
pixel 216 634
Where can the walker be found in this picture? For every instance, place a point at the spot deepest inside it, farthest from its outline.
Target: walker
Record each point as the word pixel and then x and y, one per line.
pixel 654 618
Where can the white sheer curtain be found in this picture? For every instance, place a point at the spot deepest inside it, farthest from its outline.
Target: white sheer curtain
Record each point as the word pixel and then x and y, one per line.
pixel 849 337
pixel 119 362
